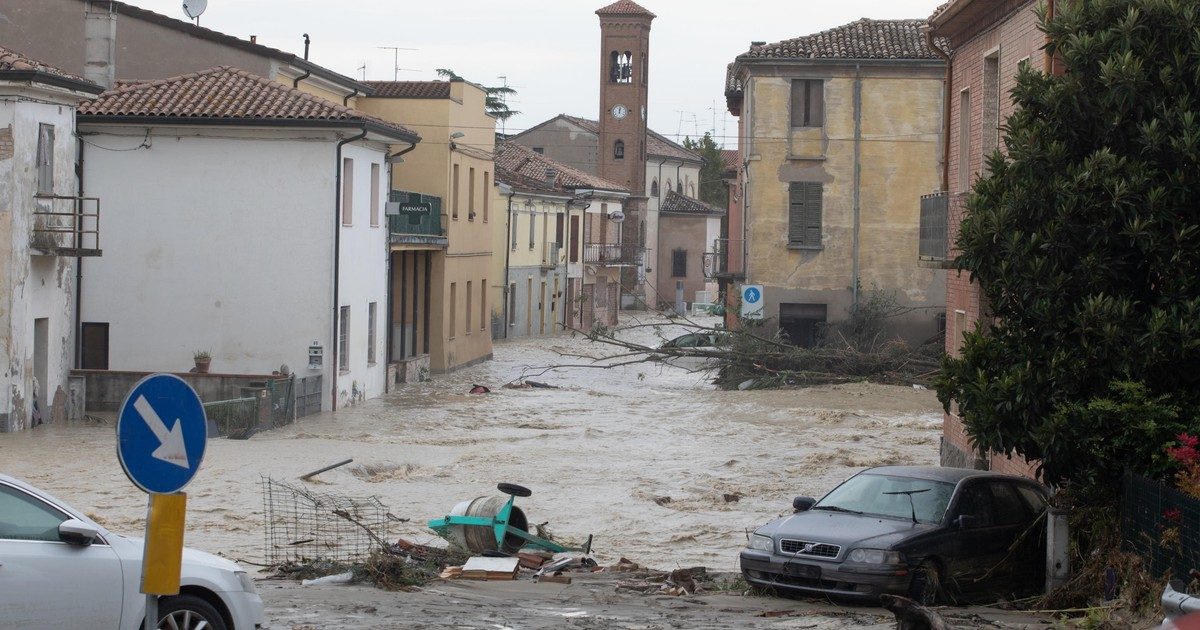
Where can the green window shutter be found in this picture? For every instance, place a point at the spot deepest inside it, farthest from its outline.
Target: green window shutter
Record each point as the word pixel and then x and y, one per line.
pixel 796 213
pixel 813 200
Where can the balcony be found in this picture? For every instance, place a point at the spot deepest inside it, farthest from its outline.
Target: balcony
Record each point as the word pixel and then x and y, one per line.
pixel 934 245
pixel 66 226
pixel 613 254
pixel 551 253
pixel 415 221
pixel 725 261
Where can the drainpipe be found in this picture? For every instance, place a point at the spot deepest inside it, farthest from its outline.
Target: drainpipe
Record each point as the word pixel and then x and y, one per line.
pixel 79 259
pixel 307 73
pixel 346 99
pixel 949 83
pixel 507 252
pixel 1049 18
pixel 337 254
pixel 857 171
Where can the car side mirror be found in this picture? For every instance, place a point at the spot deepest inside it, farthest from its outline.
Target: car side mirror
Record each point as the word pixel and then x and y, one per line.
pixel 966 521
pixel 802 504
pixel 75 532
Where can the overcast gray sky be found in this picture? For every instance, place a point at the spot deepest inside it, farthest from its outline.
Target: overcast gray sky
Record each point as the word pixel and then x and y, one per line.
pixel 548 49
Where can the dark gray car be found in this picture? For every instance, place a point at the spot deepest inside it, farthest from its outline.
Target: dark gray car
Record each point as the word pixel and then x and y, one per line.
pixel 921 531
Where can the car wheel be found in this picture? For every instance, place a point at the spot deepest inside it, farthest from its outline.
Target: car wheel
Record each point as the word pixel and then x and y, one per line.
pixel 188 612
pixel 925 588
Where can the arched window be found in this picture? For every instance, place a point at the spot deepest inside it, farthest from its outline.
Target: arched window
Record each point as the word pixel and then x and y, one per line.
pixel 654 188
pixel 679 186
pixel 668 184
pixel 620 67
pixel 619 150
pixel 692 190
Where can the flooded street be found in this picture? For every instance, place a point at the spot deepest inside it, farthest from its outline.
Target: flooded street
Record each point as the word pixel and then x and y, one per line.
pixel 600 455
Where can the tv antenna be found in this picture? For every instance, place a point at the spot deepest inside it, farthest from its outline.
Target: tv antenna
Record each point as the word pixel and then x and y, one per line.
pixel 396 60
pixel 193 9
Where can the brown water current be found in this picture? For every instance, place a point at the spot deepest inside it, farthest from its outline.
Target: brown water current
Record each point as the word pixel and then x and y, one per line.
pixel 597 454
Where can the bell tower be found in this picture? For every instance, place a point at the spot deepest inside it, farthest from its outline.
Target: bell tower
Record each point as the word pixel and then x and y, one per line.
pixel 624 83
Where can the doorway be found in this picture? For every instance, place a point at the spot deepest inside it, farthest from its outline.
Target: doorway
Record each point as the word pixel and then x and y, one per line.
pixel 41 366
pixel 802 324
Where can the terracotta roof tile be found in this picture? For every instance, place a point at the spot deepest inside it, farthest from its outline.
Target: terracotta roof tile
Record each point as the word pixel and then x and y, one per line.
pixel 13 61
pixel 864 39
pixel 656 145
pixel 522 167
pixel 410 89
pixel 730 159
pixel 625 7
pixel 675 203
pixel 225 93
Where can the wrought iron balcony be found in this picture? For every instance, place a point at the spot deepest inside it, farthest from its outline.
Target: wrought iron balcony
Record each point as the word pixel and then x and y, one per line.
pixel 934 236
pixel 725 261
pixel 66 226
pixel 550 254
pixel 415 219
pixel 613 254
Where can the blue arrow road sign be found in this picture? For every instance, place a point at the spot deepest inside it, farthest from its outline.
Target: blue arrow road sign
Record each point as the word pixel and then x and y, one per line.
pixel 161 434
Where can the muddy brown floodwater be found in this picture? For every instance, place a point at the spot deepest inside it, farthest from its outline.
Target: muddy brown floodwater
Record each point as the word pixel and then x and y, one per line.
pixel 597 453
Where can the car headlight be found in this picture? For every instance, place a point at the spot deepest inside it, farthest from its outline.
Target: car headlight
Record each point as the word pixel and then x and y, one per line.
pixel 875 556
pixel 761 543
pixel 246 581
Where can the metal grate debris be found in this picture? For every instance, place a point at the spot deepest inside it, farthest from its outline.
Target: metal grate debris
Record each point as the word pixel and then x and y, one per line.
pixel 304 525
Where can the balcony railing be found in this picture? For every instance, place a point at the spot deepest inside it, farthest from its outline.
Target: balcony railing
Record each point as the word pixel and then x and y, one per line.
pixel 934 236
pixel 725 261
pixel 66 226
pixel 613 255
pixel 550 254
pixel 415 219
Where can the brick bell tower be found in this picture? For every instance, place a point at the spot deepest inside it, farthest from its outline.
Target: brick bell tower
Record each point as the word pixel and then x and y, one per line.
pixel 624 83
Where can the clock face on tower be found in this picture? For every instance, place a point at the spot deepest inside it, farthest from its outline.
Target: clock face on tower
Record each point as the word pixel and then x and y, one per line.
pixel 620 111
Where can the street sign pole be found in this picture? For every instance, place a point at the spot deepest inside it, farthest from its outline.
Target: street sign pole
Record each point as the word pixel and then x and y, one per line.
pixel 162 433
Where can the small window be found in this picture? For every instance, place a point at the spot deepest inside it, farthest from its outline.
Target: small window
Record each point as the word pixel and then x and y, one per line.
pixel 371 315
pixel 471 194
pixel 347 191
pixel 344 339
pixel 539 150
pixel 453 308
pixel 512 304
pixel 654 188
pixel 487 194
pixel 483 304
pixel 45 160
pixel 454 193
pixel 679 263
pixel 619 150
pixel 467 318
pixel 532 224
pixel 26 518
pixel 804 214
pixel 374 195
pixel 808 103
pixel 964 140
pixel 514 219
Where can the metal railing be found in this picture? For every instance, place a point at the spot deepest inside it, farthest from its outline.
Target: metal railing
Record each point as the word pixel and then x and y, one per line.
pixel 419 220
pixel 232 416
pixel 725 261
pixel 934 236
pixel 613 254
pixel 66 226
pixel 550 254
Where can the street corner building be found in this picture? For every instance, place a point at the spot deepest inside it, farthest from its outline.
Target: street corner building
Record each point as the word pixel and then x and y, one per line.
pixel 440 220
pixel 985 45
pixel 560 251
pixel 839 136
pixel 246 219
pixel 46 229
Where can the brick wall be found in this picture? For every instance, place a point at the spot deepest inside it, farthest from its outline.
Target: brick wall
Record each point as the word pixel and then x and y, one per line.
pixel 1009 33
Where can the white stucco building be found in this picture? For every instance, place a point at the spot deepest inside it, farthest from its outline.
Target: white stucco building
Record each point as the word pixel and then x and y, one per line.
pixel 40 237
pixel 252 228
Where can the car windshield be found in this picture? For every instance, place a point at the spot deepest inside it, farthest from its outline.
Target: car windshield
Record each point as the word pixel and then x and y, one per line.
pixel 868 494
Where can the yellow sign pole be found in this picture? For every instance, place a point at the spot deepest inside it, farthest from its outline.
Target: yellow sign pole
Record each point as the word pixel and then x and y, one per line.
pixel 162 556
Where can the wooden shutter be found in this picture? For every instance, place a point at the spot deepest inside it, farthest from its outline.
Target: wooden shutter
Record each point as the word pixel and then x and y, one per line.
pixel 804 213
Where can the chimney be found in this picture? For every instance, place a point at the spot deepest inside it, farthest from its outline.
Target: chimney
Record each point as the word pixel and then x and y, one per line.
pixel 100 44
pixel 254 39
pixel 551 177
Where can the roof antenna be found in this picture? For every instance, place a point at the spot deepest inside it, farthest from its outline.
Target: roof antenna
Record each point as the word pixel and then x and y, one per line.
pixel 306 42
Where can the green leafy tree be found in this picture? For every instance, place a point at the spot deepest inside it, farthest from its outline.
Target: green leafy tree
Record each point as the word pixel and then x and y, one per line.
pixel 1085 241
pixel 496 99
pixel 712 187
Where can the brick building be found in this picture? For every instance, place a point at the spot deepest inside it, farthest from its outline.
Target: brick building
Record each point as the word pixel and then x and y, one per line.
pixel 985 42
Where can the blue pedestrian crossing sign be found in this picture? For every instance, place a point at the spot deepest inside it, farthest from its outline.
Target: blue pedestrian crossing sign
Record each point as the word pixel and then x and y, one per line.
pixel 161 434
pixel 752 301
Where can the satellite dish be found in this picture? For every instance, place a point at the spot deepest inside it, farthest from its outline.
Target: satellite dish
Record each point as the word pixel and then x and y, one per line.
pixel 193 8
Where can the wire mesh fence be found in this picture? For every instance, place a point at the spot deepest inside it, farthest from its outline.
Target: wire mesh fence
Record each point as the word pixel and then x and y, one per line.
pixel 232 416
pixel 281 392
pixel 1160 524
pixel 305 525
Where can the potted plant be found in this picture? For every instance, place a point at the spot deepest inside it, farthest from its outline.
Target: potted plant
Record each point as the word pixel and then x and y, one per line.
pixel 203 359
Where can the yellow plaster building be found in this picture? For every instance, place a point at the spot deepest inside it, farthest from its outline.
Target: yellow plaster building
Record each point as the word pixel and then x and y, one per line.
pixel 840 134
pixel 440 223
